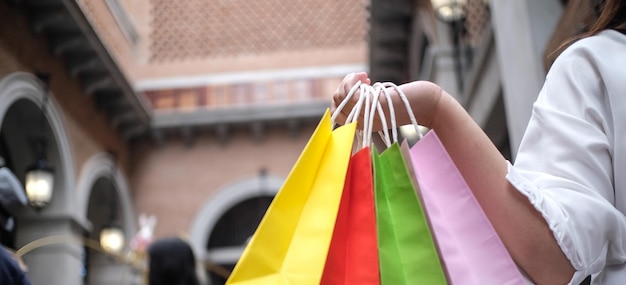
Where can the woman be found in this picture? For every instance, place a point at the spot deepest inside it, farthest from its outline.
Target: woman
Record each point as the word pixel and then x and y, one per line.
pixel 11 269
pixel 172 262
pixel 560 208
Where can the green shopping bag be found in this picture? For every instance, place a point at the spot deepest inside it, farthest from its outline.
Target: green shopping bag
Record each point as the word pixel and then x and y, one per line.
pixel 407 252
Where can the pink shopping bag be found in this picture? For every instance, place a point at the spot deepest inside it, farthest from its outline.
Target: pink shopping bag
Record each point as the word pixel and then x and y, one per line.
pixel 471 250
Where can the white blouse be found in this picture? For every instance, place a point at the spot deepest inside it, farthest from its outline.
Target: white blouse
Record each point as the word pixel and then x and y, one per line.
pixel 571 163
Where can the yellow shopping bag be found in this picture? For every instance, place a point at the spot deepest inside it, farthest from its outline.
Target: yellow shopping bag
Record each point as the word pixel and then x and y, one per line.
pixel 291 242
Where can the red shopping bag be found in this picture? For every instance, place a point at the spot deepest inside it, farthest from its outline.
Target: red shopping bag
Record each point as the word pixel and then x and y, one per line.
pixel 353 254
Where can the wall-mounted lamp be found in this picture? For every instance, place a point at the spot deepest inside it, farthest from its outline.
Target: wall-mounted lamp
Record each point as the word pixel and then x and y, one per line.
pixel 450 10
pixel 39 184
pixel 112 239
pixel 112 236
pixel 40 176
pixel 453 13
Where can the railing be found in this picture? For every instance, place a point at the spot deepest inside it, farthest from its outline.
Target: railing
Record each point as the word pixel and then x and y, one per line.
pixel 136 260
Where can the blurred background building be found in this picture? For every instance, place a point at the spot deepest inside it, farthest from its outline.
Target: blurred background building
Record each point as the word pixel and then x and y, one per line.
pixel 194 111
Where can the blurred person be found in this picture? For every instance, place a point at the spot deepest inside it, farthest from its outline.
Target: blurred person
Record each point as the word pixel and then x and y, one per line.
pixel 12 197
pixel 559 209
pixel 171 262
pixel 11 269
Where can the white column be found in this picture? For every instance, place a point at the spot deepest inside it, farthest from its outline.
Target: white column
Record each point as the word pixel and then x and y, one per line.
pixel 439 61
pixel 56 263
pixel 105 270
pixel 522 30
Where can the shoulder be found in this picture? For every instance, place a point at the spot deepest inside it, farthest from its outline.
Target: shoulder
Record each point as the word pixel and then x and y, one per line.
pixel 601 47
pixel 607 39
pixel 599 56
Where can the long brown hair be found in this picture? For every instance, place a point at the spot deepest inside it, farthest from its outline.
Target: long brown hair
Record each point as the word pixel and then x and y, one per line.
pixel 612 15
pixel 605 14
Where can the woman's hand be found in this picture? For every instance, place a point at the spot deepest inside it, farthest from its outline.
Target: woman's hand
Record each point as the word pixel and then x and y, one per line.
pixel 522 228
pixel 340 95
pixel 423 97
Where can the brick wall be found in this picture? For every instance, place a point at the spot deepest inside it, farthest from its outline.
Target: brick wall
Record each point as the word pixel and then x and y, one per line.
pixel 21 50
pixel 196 37
pixel 174 181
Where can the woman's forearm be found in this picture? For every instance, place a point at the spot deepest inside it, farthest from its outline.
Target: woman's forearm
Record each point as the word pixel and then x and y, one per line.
pixel 520 226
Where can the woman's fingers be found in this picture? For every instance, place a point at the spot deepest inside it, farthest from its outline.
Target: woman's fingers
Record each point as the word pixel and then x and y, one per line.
pixel 342 91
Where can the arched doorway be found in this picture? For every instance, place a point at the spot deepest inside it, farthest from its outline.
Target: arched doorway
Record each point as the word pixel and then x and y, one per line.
pixel 21 100
pixel 104 199
pixel 225 223
pixel 231 233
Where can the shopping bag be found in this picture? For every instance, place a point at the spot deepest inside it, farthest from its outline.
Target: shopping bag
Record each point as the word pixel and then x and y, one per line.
pixel 469 245
pixel 353 254
pixel 405 149
pixel 290 244
pixel 407 251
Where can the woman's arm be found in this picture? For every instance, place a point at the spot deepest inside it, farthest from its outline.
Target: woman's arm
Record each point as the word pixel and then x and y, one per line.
pixel 522 228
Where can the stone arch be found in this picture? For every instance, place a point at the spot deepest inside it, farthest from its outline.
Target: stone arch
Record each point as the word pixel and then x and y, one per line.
pixel 101 165
pixel 225 198
pixel 98 169
pixel 21 95
pixel 21 85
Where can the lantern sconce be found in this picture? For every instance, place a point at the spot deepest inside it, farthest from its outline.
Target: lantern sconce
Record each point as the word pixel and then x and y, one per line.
pixel 112 239
pixel 453 13
pixel 112 235
pixel 39 178
pixel 450 10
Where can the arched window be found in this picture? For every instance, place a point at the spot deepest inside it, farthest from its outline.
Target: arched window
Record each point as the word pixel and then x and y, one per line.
pixel 231 233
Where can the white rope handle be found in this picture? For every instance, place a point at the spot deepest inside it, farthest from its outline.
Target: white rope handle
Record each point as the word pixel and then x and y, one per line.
pixel 409 110
pixel 392 113
pixel 375 93
pixel 345 101
pixel 383 121
pixel 365 96
pixel 370 95
pixel 354 114
pixel 356 110
pixel 384 134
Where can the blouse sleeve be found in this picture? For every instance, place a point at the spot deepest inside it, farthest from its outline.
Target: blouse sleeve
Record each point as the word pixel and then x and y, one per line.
pixel 564 164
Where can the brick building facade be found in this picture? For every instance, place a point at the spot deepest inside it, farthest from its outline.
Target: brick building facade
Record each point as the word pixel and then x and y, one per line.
pixel 233 90
pixel 207 105
pixel 236 88
pixel 80 136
